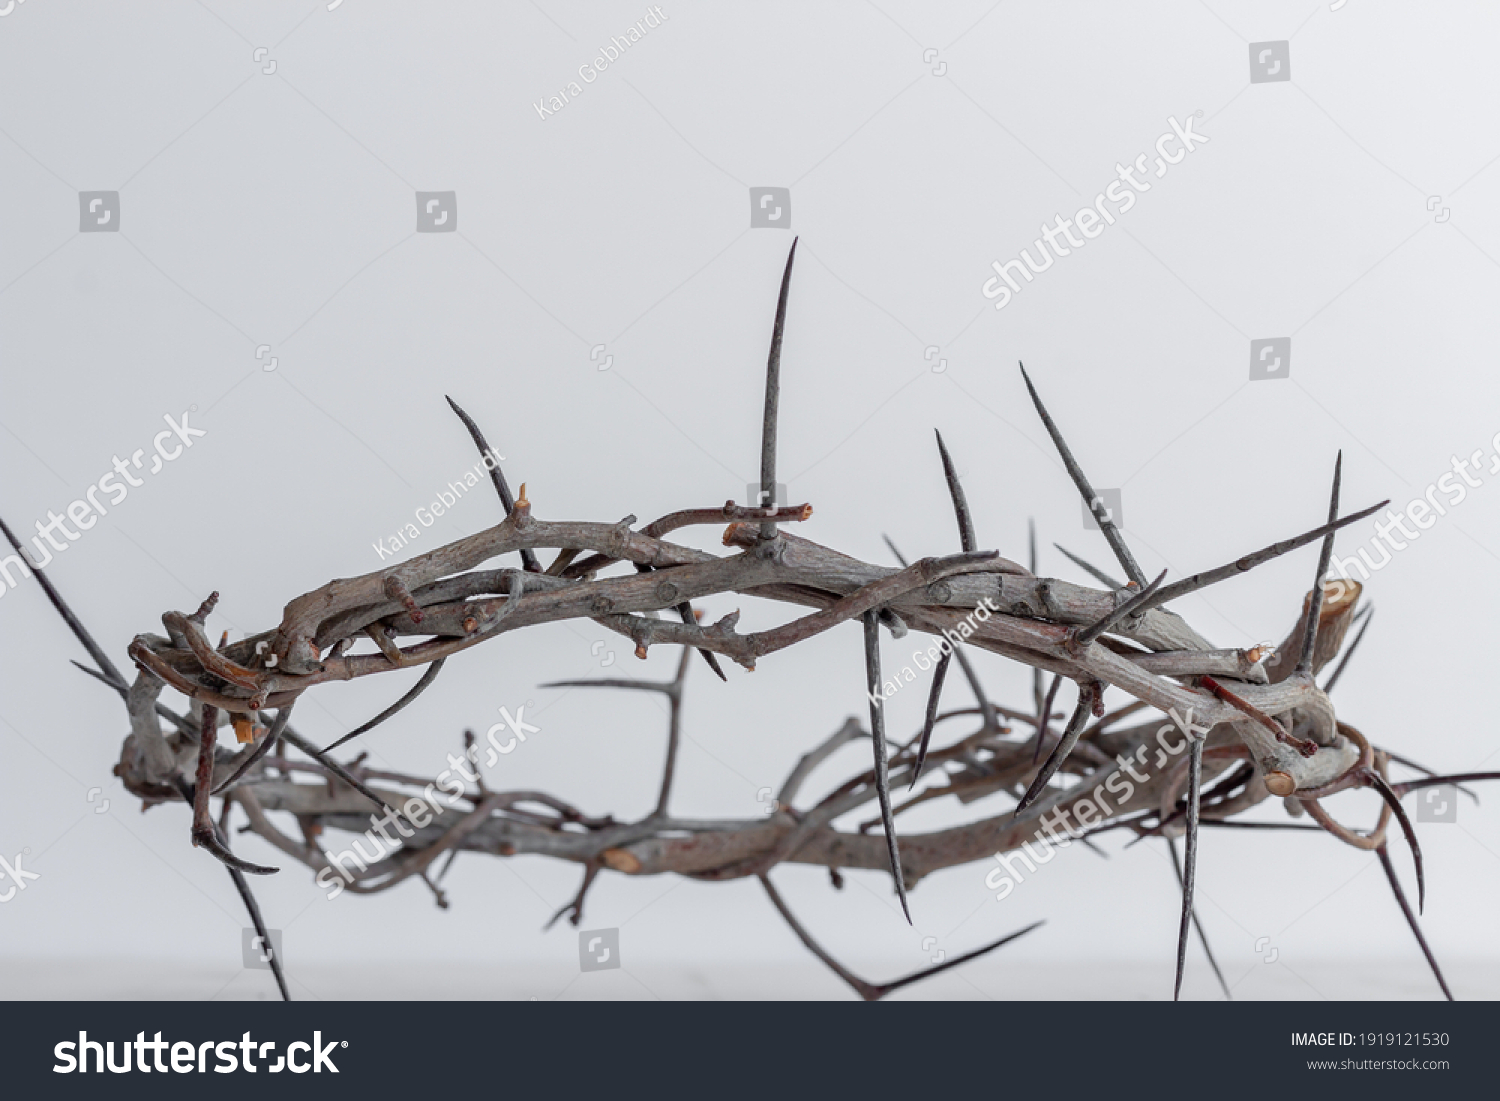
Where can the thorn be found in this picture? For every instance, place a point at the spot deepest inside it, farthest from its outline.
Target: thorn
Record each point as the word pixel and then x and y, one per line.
pixel 882 766
pixel 773 398
pixel 931 720
pixel 1089 634
pixel 1106 524
pixel 1338 671
pixel 1315 608
pixel 1411 919
pixel 1086 694
pixel 1190 856
pixel 956 491
pixel 1376 781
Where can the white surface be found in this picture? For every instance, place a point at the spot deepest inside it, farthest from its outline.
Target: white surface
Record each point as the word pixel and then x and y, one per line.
pixel 278 209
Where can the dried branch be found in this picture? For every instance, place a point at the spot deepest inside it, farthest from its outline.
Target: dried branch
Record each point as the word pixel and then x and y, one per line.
pixel 1262 728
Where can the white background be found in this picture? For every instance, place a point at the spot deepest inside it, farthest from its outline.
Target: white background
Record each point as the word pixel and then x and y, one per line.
pixel 278 209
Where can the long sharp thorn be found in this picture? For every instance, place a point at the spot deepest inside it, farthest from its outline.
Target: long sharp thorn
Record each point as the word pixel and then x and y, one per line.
pixel 956 491
pixel 1091 499
pixel 685 611
pixel 1349 653
pixel 882 768
pixel 1393 800
pixel 272 737
pixel 421 686
pixel 1411 919
pixel 1044 717
pixel 247 896
pixel 1093 571
pixel 292 738
pixel 1315 608
pixel 75 624
pixel 528 556
pixel 1190 858
pixel 928 972
pixel 1434 780
pixel 1036 672
pixel 1198 925
pixel 1198 581
pixel 773 398
pixel 1064 747
pixel 1139 600
pixel 932 709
